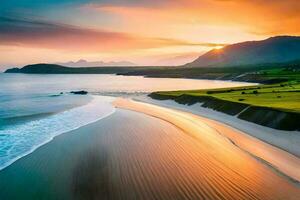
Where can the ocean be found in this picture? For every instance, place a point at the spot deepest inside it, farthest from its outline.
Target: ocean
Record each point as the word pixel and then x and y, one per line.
pixel 36 108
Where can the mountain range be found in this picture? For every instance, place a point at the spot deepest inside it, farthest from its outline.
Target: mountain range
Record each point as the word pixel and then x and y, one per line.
pixel 85 63
pixel 274 51
pixel 279 49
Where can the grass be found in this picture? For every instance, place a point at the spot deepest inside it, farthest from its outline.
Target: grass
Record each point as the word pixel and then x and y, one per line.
pixel 284 96
pixel 271 73
pixel 285 73
pixel 275 104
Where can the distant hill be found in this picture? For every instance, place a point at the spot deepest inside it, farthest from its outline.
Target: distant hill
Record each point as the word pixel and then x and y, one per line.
pixel 59 69
pixel 256 73
pixel 38 68
pixel 85 63
pixel 280 49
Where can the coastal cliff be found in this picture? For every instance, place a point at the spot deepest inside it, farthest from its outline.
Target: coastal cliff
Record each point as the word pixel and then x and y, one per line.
pixel 269 117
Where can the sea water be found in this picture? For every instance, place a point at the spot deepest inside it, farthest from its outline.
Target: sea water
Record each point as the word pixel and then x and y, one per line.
pixel 36 108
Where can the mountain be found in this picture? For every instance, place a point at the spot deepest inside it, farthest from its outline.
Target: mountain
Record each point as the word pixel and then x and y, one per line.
pixel 84 63
pixel 37 68
pixel 280 49
pixel 59 69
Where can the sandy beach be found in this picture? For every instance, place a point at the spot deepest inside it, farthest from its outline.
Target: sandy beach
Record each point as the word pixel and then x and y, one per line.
pixel 286 140
pixel 144 151
pixel 284 162
pixel 149 100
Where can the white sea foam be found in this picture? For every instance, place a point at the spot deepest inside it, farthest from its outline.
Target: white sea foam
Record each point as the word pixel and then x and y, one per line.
pixel 20 140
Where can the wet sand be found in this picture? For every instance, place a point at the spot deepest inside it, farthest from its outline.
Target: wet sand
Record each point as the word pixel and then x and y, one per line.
pixel 130 155
pixel 287 140
pixel 281 161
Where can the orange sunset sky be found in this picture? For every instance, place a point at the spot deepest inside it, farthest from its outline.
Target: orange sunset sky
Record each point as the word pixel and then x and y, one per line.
pixel 157 32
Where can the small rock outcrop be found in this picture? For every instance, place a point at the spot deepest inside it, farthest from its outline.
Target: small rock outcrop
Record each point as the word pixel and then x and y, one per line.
pixel 81 92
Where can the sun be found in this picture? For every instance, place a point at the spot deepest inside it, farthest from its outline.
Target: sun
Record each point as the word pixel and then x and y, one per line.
pixel 218 47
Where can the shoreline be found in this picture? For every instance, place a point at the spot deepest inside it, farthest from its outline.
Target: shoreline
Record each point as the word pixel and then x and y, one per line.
pixel 93 102
pixel 286 140
pixel 244 106
pixel 234 139
pixel 280 160
pixel 131 155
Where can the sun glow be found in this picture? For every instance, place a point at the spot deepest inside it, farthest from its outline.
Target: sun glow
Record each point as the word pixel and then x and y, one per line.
pixel 218 47
pixel 114 30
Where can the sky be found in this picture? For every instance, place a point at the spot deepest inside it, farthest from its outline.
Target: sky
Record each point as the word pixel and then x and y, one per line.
pixel 156 32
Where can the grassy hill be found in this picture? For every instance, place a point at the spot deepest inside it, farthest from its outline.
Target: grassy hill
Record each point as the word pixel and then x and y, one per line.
pixel 265 73
pixel 273 105
pixel 284 96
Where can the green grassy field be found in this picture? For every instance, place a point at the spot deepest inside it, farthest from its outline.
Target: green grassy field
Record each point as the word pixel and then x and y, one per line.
pixel 284 96
pixel 284 73
pixel 274 104
pixel 265 73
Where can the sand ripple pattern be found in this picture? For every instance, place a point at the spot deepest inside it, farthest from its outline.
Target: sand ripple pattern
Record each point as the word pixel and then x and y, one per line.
pixel 155 160
pixel 130 155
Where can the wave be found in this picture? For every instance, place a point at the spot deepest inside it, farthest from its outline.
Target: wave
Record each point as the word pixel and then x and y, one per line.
pixel 22 139
pixel 9 121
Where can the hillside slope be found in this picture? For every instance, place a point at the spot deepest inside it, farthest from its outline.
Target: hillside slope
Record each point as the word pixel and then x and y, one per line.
pixel 59 69
pixel 278 49
pixel 275 106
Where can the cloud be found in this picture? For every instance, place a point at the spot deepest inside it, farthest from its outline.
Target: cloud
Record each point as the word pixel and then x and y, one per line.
pixel 35 5
pixel 43 34
pixel 269 16
pixel 136 28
